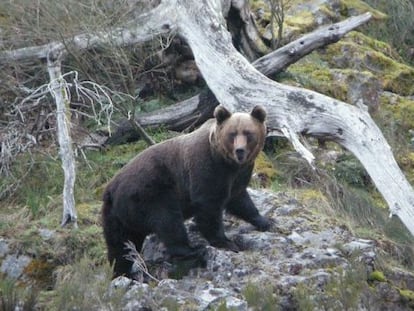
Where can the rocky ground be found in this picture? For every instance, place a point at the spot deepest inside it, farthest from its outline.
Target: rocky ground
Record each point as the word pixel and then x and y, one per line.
pixel 309 260
pixel 306 262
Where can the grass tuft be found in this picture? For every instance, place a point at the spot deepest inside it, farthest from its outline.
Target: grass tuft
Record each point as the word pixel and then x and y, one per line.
pixel 260 297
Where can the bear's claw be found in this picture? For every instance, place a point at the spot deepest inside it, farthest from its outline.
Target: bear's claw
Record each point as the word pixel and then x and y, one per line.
pixel 262 223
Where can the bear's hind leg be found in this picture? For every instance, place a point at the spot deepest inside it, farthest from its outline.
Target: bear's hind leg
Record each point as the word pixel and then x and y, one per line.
pixel 166 220
pixel 170 229
pixel 116 235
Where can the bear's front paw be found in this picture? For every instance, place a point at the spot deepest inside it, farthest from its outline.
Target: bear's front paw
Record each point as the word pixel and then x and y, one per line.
pixel 261 223
pixel 226 244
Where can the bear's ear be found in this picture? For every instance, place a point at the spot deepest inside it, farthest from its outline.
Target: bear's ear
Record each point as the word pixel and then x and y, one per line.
pixel 221 114
pixel 259 113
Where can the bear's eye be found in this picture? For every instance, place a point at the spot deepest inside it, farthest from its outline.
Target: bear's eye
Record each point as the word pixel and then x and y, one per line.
pixel 232 135
pixel 249 136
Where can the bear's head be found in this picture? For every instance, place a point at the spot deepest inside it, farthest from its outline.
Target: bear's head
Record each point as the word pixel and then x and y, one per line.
pixel 240 136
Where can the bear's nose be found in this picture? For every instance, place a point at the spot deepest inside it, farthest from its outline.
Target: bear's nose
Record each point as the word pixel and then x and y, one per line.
pixel 240 154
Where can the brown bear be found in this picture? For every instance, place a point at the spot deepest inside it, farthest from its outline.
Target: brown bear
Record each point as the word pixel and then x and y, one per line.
pixel 198 175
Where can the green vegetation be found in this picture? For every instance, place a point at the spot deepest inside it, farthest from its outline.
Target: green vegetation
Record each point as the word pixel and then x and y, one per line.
pixel 13 297
pixel 329 72
pixel 260 297
pixel 83 286
pixel 342 291
pixel 357 6
pixel 394 76
pixel 397 28
pixel 377 276
pixel 264 171
pixel 407 296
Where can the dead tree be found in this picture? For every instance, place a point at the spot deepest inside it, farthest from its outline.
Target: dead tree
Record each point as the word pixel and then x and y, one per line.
pixel 238 85
pixel 197 109
pixel 291 110
pixel 59 91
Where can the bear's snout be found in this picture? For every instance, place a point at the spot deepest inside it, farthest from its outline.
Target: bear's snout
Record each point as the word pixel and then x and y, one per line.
pixel 240 154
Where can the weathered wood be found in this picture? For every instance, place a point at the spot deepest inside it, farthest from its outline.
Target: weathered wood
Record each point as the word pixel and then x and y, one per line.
pixel 238 86
pixel 58 90
pixel 295 50
pixel 183 114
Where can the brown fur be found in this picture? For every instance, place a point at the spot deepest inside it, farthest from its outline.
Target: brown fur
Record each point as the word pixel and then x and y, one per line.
pixel 195 175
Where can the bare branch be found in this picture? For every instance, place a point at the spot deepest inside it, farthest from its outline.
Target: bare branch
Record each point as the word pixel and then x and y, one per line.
pixel 138 262
pixel 144 28
pixel 295 50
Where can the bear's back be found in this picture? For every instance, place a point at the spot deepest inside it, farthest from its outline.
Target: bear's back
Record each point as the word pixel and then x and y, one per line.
pixel 166 162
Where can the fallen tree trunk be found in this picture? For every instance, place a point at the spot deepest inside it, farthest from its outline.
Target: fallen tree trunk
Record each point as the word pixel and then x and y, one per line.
pixel 182 116
pixel 197 109
pixel 238 86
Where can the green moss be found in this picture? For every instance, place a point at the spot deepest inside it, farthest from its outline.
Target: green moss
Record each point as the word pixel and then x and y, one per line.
pixel 396 78
pixel 77 243
pixel 319 209
pixel 350 7
pixel 402 110
pixel 374 44
pixel 396 120
pixel 358 52
pixel 377 276
pixel 407 294
pixel 303 21
pixel 327 11
pixel 264 169
pixel 313 73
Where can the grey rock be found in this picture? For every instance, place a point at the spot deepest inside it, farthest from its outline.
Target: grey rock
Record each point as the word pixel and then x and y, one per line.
pixel 297 238
pixel 47 234
pixel 121 282
pixel 13 265
pixel 230 302
pixel 359 245
pixel 4 247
